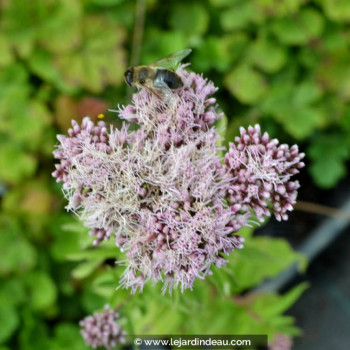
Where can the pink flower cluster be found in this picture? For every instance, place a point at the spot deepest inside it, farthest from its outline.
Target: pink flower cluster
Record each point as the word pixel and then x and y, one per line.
pixel 102 329
pixel 262 169
pixel 163 192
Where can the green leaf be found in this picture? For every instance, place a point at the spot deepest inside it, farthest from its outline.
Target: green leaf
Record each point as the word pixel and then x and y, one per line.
pixel 301 122
pixel 38 117
pixel 17 253
pixel 235 44
pixel 33 332
pixel 14 93
pixel 328 154
pixel 306 25
pixel 6 56
pixel 85 269
pixel 213 53
pixel 268 56
pixel 294 107
pixel 223 3
pixel 336 10
pixel 67 336
pixel 9 322
pixel 219 52
pixel 345 120
pixel 65 240
pixel 61 32
pixel 167 42
pixel 334 73
pixel 42 291
pixel 239 16
pixel 100 59
pixel 306 93
pixel 104 284
pixel 271 8
pixel 221 126
pixel 309 57
pixel 271 306
pixel 246 84
pixel 18 110
pixel 190 18
pixel 25 23
pixel 327 174
pixel 12 292
pixel 15 165
pixel 276 254
pixel 40 63
pixel 106 2
pixel 94 253
pixel 312 22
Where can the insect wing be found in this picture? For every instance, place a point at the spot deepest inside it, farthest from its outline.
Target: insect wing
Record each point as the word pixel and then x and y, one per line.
pixel 172 60
pixel 163 89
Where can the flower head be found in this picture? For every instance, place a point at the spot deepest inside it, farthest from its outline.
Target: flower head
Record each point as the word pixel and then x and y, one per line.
pixel 261 171
pixel 172 204
pixel 102 329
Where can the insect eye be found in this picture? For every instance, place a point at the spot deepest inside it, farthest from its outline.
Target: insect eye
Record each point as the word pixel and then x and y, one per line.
pixel 128 76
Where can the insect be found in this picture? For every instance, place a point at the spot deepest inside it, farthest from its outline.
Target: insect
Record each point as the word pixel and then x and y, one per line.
pixel 158 77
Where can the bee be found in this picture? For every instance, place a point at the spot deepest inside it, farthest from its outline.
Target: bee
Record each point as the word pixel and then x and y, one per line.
pixel 158 77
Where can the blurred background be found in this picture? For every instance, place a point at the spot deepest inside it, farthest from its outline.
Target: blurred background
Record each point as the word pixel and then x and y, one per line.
pixel 284 64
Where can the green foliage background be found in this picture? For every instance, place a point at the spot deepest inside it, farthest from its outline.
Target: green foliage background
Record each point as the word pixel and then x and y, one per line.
pixel 281 63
